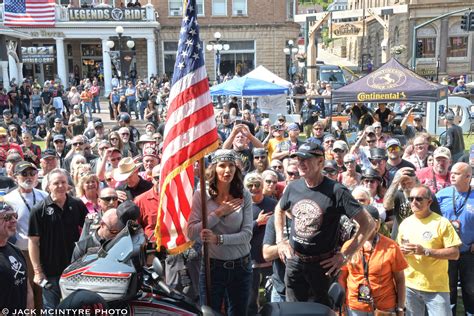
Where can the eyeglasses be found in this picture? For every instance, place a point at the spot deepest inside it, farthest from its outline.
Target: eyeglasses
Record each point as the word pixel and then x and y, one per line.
pixel 251 185
pixel 30 173
pixel 260 157
pixel 113 139
pixel 392 149
pixel 293 174
pixel 417 120
pixel 156 178
pixel 416 198
pixel 370 141
pixel 277 167
pixel 371 181
pixel 349 162
pixel 115 159
pixel 376 161
pixel 9 217
pixel 317 128
pixel 337 150
pixel 329 141
pixel 268 181
pixel 112 231
pixel 78 144
pixel 109 198
pixel 58 141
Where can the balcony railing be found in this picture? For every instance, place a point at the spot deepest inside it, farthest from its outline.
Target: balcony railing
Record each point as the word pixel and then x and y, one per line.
pixel 102 13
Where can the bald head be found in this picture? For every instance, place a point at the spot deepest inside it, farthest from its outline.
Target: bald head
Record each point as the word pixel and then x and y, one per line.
pixel 461 174
pixel 111 224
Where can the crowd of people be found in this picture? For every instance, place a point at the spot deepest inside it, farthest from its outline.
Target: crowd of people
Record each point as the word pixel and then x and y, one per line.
pixel 390 220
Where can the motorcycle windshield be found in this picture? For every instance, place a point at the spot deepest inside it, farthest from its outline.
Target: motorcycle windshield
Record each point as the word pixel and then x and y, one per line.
pixel 120 248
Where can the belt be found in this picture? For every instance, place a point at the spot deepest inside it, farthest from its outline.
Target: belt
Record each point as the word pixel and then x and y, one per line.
pixel 316 258
pixel 231 264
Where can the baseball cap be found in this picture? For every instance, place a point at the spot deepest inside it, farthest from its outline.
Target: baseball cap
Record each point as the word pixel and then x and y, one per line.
pixel 340 144
pixel 377 153
pixel 449 116
pixel 59 137
pixel 442 152
pixel 4 207
pixel 7 112
pixel 370 130
pixel 372 210
pixel 124 117
pixel 14 158
pixel 329 137
pixel 392 142
pixel 98 124
pixel 418 117
pixel 280 116
pixel 293 127
pixel 259 152
pixel 309 150
pixel 77 107
pixel 330 165
pixel 48 153
pixel 23 165
pixel 58 120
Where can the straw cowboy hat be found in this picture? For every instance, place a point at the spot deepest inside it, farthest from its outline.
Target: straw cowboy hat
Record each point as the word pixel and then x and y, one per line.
pixel 125 168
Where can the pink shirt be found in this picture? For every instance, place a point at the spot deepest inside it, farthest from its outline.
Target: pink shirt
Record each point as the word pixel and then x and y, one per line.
pixel 434 181
pixel 91 207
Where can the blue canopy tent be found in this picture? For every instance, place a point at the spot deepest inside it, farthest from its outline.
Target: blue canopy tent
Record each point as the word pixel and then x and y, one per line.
pixel 245 86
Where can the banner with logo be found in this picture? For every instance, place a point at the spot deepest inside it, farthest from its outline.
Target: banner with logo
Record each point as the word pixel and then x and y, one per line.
pixel 347 29
pixel 107 14
pixel 37 55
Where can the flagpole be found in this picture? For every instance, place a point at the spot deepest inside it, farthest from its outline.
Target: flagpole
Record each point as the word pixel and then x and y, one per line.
pixel 207 264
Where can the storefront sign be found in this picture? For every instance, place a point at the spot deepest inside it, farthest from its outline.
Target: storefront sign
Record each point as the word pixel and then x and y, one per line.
pixel 38 55
pixel 46 34
pixel 346 29
pixel 107 14
pixel 425 71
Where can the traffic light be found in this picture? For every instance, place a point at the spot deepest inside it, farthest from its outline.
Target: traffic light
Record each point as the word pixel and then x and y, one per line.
pixel 470 21
pixel 465 22
pixel 419 49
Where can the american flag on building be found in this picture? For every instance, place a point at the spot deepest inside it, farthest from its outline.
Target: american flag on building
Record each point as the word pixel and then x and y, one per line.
pixel 29 13
pixel 190 134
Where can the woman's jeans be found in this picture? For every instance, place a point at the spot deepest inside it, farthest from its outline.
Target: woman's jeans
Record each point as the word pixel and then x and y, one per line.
pixel 230 282
pixel 87 106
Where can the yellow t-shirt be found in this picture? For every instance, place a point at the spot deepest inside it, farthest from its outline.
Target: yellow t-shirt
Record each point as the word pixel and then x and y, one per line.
pixel 272 143
pixel 434 232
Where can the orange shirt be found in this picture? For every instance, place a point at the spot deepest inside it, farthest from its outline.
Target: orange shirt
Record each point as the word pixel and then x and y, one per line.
pixel 86 96
pixel 386 259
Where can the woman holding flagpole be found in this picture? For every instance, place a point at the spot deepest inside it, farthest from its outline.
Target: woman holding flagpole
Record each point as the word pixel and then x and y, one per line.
pixel 228 234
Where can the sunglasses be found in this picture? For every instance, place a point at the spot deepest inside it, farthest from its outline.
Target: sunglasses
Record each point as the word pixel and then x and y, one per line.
pixel 251 185
pixel 416 198
pixel 113 139
pixel 157 178
pixel 337 150
pixel 392 149
pixel 317 128
pixel 277 167
pixel 293 174
pixel 115 159
pixel 349 162
pixel 376 161
pixel 109 198
pixel 58 141
pixel 260 157
pixel 268 181
pixel 371 181
pixel 370 141
pixel 330 141
pixel 9 217
pixel 78 144
pixel 330 172
pixel 31 173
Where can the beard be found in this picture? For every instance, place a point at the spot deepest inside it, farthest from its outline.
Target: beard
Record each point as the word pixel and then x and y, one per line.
pixel 28 185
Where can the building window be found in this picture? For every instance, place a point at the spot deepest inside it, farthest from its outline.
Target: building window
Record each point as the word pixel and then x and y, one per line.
pixel 239 59
pixel 169 57
pixel 429 47
pixel 457 46
pixel 290 9
pixel 219 7
pixel 239 7
pixel 175 7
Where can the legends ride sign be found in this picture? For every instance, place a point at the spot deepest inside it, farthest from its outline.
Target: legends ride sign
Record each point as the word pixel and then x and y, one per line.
pixel 107 14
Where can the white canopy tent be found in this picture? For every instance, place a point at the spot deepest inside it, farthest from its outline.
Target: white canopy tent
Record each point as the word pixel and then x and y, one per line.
pixel 270 104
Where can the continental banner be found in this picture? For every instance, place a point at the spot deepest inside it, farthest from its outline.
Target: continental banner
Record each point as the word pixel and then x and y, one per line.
pixel 346 29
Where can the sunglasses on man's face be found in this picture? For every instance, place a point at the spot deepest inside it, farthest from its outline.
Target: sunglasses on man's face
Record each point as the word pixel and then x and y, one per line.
pixel 293 174
pixel 331 172
pixel 268 181
pixel 78 144
pixel 253 185
pixel 108 199
pixel 30 173
pixel 260 157
pixel 277 167
pixel 416 198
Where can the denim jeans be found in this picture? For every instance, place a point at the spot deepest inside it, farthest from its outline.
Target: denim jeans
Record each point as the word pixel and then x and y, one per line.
pixel 142 105
pixel 435 303
pixel 87 106
pixel 462 269
pixel 258 275
pixel 276 297
pixel 231 285
pixel 303 279
pixel 132 106
pixel 96 104
pixel 52 295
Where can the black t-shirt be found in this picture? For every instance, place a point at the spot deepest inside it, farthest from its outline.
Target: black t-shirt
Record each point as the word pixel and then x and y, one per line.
pixel 246 156
pixel 46 96
pixel 392 170
pixel 316 213
pixel 6 184
pixel 278 276
pixel 140 188
pixel 58 230
pixel 267 205
pixel 402 210
pixel 13 278
pixel 383 116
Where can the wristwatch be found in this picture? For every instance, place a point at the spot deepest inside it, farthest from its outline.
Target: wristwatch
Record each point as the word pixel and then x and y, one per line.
pixel 400 309
pixel 427 252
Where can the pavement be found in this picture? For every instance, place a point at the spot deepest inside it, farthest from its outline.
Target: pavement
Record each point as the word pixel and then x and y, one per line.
pixel 108 123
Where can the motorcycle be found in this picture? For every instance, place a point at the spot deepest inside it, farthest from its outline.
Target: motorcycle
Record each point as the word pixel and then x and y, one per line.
pixel 118 274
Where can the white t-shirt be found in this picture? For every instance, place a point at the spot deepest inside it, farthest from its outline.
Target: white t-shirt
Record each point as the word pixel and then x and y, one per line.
pixel 16 202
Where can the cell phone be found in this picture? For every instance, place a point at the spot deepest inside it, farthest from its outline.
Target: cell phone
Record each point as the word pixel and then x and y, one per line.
pixel 238 121
pixel 45 284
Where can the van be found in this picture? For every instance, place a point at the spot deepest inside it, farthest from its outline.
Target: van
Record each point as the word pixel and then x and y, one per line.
pixel 332 74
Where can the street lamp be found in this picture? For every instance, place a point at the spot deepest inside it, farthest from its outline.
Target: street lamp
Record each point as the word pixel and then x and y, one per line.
pixel 217 46
pixel 290 49
pixel 120 53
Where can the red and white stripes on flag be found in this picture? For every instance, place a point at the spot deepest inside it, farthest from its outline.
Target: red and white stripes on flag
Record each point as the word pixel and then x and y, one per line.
pixel 190 134
pixel 29 13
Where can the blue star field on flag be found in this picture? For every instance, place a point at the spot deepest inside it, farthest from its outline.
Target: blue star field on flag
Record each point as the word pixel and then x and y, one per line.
pixel 189 55
pixel 15 6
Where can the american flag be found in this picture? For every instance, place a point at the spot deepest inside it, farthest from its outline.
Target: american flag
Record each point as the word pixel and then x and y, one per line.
pixel 190 134
pixel 30 13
